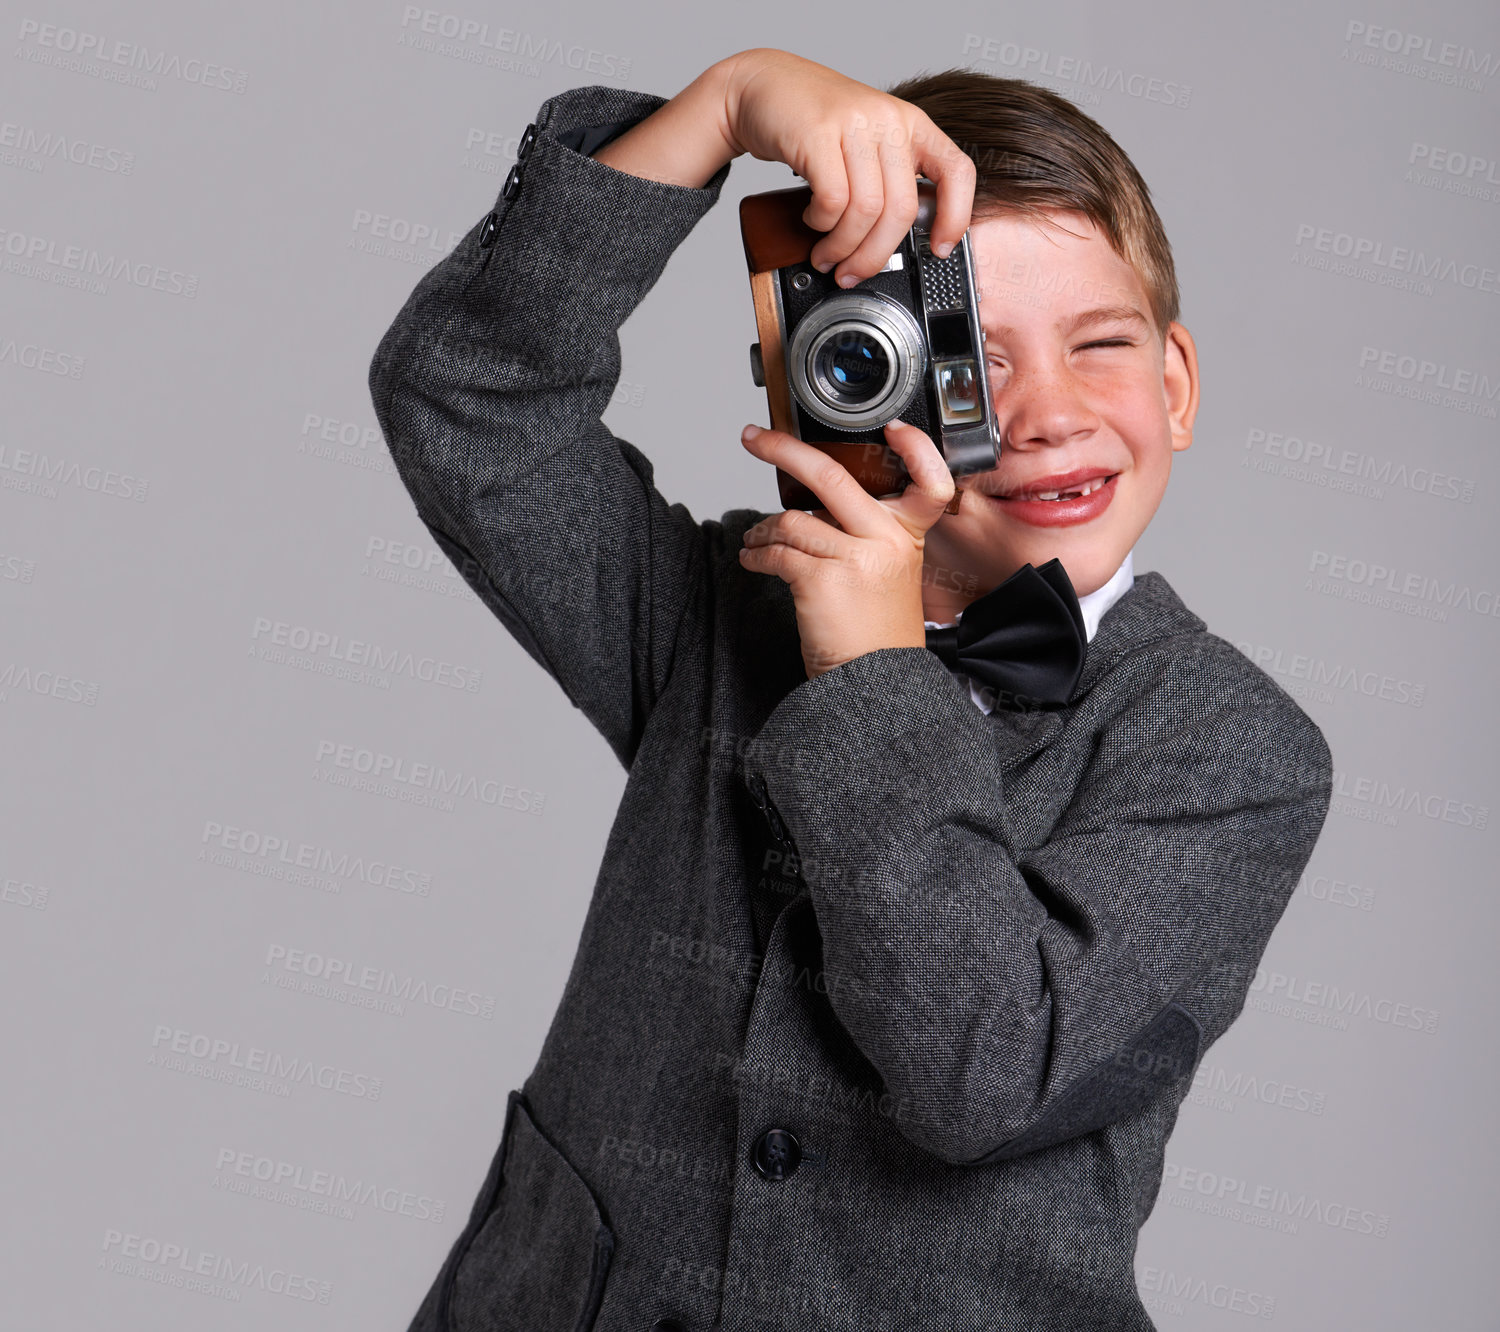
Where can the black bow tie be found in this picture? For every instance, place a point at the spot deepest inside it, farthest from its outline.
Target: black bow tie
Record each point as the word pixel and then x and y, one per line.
pixel 1025 640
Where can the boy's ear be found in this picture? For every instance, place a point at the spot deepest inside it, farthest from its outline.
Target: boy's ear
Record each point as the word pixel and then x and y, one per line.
pixel 1180 384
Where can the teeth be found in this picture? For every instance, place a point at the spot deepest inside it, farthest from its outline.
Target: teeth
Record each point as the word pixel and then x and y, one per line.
pixel 1087 488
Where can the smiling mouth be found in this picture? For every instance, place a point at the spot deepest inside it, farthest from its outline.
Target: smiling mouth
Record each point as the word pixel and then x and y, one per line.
pixel 1082 489
pixel 1087 488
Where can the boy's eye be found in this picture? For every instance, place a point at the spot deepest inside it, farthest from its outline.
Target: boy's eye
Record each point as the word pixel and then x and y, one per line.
pixel 1106 342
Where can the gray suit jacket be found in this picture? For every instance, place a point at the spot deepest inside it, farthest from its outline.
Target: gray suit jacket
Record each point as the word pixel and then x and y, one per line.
pixel 883 1008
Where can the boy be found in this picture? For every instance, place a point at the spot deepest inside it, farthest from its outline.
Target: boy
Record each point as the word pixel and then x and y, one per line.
pixel 892 982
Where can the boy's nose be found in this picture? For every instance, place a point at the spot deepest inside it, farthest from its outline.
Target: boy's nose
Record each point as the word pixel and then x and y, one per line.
pixel 1037 409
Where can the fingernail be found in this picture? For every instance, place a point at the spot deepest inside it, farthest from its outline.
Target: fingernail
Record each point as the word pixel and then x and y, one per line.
pixel 750 432
pixel 848 280
pixel 823 265
pixel 943 249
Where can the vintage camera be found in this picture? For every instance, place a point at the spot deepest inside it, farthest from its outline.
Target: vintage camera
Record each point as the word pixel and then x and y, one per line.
pixel 838 364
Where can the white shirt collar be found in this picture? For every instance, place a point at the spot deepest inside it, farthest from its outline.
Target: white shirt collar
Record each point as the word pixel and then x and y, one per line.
pixel 1093 607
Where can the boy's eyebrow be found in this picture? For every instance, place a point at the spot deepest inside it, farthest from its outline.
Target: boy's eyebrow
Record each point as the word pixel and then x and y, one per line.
pixel 1098 314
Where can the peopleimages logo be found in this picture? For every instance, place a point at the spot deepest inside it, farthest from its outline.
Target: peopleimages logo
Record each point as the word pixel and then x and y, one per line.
pixel 1318 671
pixel 27 144
pixel 1284 988
pixel 35 473
pixel 1327 465
pixel 1177 1289
pixel 306 1187
pixel 220 1060
pixel 429 784
pixel 42 256
pixel 44 360
pixel 1417 54
pixel 1387 800
pixel 183 1265
pixel 46 683
pixel 1372 577
pixel 338 971
pixel 1431 383
pixel 94 53
pixel 1033 62
pixel 327 653
pixel 502 48
pixel 1268 1204
pixel 1398 266
pixel 1213 1080
pixel 274 855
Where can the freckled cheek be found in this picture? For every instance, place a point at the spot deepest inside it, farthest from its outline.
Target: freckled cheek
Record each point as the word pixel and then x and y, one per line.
pixel 1140 421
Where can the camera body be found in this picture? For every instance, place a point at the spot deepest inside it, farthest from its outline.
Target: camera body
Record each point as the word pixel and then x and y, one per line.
pixel 837 364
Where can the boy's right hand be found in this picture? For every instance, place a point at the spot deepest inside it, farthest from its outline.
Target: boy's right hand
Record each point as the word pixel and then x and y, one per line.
pixel 859 149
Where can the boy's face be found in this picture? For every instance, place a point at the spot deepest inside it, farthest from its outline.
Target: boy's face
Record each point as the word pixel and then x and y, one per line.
pixel 1102 397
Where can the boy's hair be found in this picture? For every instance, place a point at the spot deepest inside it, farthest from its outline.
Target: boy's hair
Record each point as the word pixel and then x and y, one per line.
pixel 1033 149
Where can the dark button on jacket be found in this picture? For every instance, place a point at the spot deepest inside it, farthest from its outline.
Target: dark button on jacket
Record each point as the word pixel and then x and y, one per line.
pixel 776 1153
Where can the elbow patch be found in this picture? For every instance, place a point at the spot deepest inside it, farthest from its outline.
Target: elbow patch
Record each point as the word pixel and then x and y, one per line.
pixel 1160 1056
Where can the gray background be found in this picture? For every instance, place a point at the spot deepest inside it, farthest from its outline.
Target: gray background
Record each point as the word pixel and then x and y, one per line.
pixel 190 483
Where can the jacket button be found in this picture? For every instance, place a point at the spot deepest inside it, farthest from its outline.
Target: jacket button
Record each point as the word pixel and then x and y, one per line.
pixel 527 139
pixel 667 1325
pixel 488 232
pixel 776 1153
pixel 512 182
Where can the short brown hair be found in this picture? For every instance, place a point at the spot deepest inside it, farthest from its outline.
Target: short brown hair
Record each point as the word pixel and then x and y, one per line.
pixel 1033 149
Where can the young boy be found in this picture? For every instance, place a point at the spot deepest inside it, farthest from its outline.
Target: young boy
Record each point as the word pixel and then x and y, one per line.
pixel 892 982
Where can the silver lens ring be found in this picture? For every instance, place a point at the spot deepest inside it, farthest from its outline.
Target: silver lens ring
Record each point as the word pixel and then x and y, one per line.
pixel 889 327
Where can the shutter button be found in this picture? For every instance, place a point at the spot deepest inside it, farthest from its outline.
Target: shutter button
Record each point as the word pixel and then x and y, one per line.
pixel 776 1153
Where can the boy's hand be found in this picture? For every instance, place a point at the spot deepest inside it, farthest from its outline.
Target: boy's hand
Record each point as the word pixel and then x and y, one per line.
pixel 857 579
pixel 859 149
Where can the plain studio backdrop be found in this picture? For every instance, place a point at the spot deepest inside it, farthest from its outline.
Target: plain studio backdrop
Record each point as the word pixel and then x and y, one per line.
pixel 207 220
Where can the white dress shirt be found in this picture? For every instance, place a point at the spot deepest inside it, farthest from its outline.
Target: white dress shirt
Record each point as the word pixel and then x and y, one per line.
pixel 1093 607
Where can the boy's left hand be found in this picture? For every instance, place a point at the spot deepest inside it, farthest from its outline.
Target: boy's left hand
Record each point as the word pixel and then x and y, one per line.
pixel 855 565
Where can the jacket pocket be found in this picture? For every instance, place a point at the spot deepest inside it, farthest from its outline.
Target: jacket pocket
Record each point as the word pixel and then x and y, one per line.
pixel 536 1250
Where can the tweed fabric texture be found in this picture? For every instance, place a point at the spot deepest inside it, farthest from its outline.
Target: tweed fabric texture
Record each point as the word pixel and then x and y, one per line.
pixel 970 962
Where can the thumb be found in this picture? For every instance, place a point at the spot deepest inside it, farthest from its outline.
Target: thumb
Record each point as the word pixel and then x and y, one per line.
pixel 931 487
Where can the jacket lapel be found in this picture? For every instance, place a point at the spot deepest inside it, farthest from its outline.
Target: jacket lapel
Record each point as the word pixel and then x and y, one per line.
pixel 1150 610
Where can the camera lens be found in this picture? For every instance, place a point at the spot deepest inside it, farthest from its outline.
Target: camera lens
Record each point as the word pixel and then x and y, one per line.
pixel 853 367
pixel 856 359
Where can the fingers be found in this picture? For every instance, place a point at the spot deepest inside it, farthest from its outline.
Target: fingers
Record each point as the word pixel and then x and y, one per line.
pixel 828 178
pixel 848 503
pixel 866 203
pixel 899 185
pixel 952 170
pixel 865 194
pixel 931 487
pixel 800 531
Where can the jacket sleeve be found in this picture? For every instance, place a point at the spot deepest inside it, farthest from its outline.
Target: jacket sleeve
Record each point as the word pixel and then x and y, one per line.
pixel 490 387
pixel 1018 999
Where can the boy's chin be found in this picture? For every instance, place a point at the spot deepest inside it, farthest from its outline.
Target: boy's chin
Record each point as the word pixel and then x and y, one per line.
pixel 1090 564
pixel 1091 558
